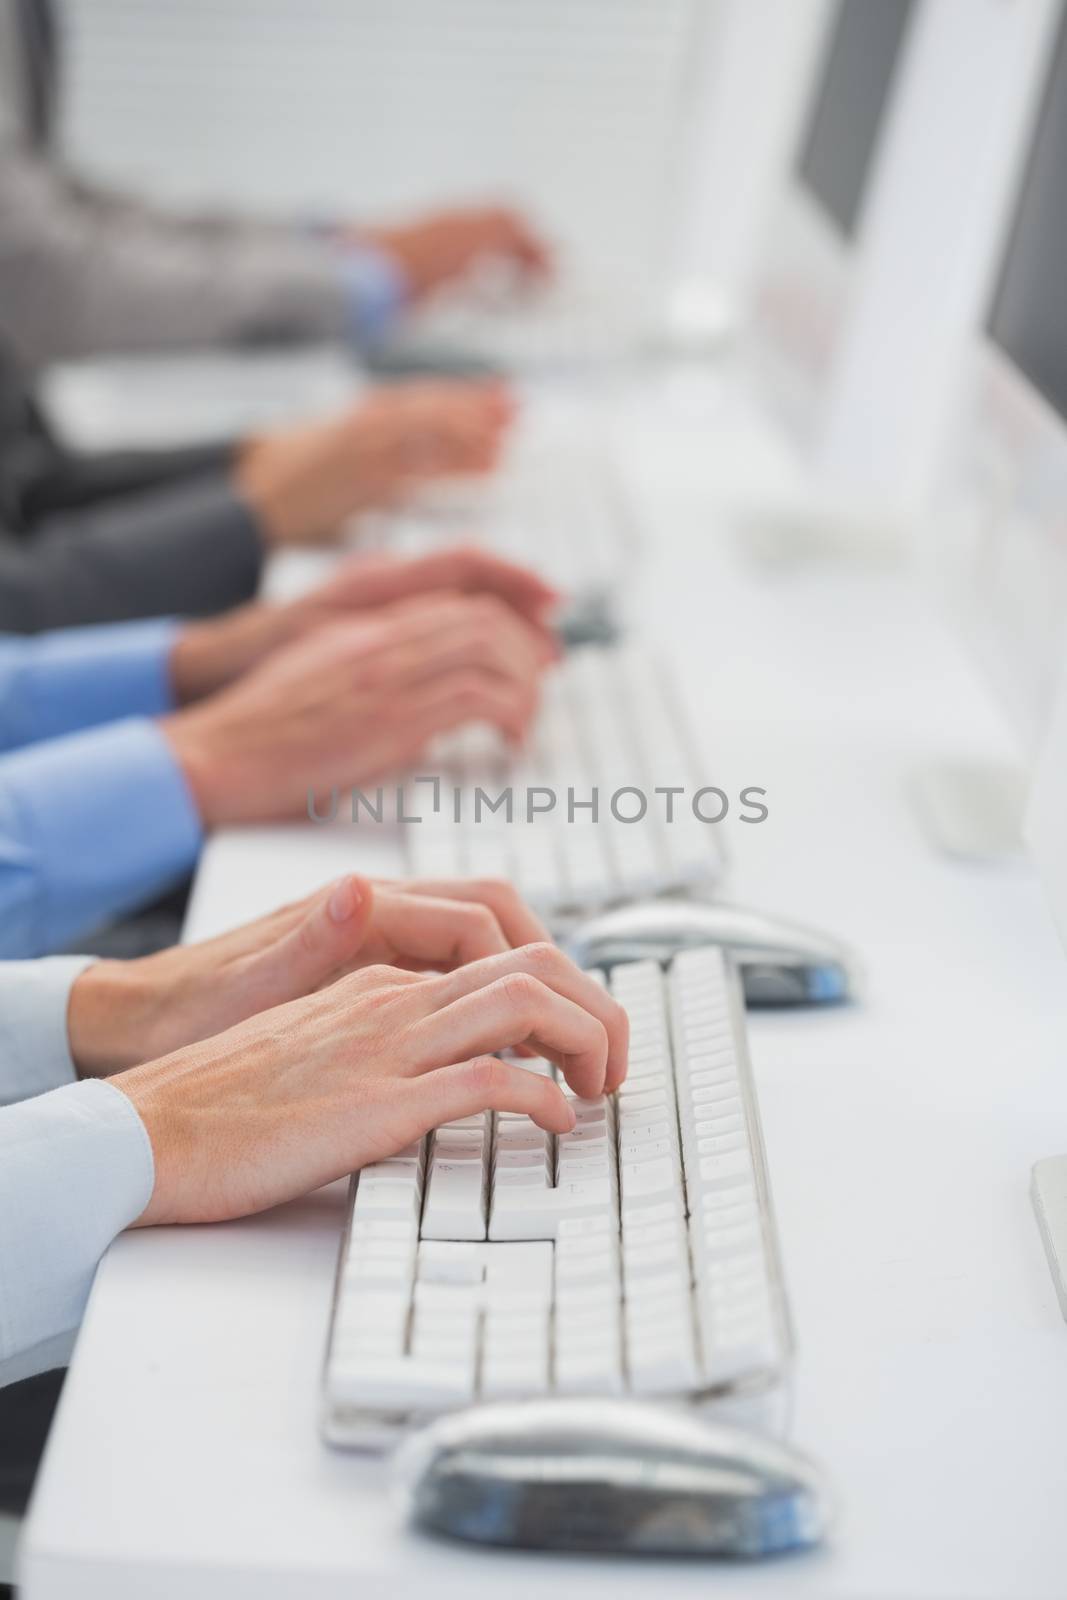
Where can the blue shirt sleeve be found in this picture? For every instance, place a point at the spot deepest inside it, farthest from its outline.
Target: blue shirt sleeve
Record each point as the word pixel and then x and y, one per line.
pixel 75 678
pixel 376 291
pixel 91 827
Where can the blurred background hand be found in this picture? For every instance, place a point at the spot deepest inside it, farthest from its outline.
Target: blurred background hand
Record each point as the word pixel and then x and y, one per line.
pixel 302 483
pixel 436 250
pixel 208 655
pixel 356 701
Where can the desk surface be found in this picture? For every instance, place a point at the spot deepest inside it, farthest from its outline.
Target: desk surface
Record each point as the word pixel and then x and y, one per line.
pixel 932 1357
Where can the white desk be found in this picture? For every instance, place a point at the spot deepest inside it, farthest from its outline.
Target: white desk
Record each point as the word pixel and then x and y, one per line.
pixel 932 1377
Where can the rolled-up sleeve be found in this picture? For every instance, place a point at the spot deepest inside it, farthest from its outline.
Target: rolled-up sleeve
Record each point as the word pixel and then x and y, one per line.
pixel 91 827
pixel 76 678
pixel 76 1168
pixel 34 1041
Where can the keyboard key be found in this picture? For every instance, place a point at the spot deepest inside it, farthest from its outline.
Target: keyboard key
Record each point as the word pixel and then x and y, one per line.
pixel 403 1383
pixel 456 1180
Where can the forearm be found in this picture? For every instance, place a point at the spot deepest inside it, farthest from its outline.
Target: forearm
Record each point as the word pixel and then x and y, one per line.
pixel 62 482
pixel 76 1168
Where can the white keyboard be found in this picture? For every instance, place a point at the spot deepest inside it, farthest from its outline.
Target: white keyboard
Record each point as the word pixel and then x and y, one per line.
pixel 635 1255
pixel 584 320
pixel 609 722
pixel 557 503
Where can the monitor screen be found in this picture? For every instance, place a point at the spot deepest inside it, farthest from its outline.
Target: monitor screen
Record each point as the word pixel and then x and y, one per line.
pixel 850 102
pixel 1029 316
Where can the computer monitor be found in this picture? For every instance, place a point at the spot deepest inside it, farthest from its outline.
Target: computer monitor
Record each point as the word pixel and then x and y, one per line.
pixel 1046 839
pixel 885 249
pixel 809 253
pixel 929 239
pixel 1002 551
pixel 996 547
pixel 751 91
pixel 849 107
pixel 1046 812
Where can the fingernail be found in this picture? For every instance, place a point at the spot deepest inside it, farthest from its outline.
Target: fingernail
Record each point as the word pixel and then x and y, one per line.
pixel 344 900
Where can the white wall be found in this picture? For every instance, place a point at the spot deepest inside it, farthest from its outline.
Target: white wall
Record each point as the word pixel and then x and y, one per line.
pixel 374 105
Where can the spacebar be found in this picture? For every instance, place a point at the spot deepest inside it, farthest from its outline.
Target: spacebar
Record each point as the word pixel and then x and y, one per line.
pixel 402 1383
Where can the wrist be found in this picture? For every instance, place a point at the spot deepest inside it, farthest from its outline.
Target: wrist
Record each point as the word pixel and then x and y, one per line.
pixel 108 1019
pixel 267 477
pixel 206 656
pixel 197 750
pixel 159 1109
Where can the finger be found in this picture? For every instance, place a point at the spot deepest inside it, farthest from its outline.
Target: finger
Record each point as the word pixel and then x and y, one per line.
pixel 322 941
pixel 421 637
pixel 524 245
pixel 364 581
pixel 432 931
pixel 467 568
pixel 463 696
pixel 480 634
pixel 465 428
pixel 519 924
pixel 548 964
pixel 516 1009
pixel 485 1084
pixel 250 937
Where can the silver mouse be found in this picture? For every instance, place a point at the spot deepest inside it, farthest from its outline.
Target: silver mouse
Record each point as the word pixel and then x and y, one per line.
pixel 781 963
pixel 611 1476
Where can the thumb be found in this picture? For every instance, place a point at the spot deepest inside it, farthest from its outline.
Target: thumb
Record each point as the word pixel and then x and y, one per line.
pixel 325 939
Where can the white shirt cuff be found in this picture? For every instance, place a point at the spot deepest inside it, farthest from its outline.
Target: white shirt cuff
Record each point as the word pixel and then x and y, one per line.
pixel 76 1168
pixel 34 1043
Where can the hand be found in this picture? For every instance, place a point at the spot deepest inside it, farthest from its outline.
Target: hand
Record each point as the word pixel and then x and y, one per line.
pixel 124 1012
pixel 303 483
pixel 366 581
pixel 208 655
pixel 309 1091
pixel 440 248
pixel 356 701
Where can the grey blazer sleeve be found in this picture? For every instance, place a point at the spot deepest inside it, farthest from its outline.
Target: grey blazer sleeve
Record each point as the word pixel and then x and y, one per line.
pixel 81 273
pixel 187 550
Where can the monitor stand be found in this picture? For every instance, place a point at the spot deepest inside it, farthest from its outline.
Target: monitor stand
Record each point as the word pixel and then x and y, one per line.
pixel 818 525
pixel 973 811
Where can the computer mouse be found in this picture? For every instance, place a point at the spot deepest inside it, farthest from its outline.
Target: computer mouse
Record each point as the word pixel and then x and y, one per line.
pixel 610 1476
pixel 781 963
pixel 588 617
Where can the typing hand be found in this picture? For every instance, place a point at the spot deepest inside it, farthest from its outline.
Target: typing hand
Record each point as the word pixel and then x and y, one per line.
pixel 206 656
pixel 438 249
pixel 354 702
pixel 302 483
pixel 309 1091
pixel 366 581
pixel 124 1012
